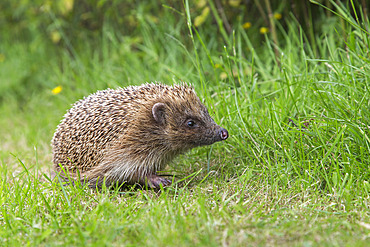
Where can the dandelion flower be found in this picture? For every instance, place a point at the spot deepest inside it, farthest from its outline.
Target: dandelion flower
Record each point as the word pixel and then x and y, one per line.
pixel 2 57
pixel 264 30
pixel 57 90
pixel 247 25
pixel 277 16
pixel 201 3
pixel 223 76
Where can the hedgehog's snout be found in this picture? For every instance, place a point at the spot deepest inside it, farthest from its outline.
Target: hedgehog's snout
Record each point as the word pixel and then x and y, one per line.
pixel 224 134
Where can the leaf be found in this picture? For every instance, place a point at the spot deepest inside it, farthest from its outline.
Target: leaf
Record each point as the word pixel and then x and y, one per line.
pixel 234 3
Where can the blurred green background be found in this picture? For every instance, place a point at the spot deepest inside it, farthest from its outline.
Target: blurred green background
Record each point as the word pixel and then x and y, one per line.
pixel 49 30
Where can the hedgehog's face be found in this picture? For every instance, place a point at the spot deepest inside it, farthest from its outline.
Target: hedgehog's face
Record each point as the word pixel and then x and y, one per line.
pixel 188 125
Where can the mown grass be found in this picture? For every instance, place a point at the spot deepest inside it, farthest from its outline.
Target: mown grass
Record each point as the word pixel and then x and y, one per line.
pixel 295 170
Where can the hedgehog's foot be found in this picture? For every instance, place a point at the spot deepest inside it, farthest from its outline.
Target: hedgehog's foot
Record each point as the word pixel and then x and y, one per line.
pixel 154 181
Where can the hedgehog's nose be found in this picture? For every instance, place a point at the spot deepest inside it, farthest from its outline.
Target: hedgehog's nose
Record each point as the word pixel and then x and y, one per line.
pixel 224 134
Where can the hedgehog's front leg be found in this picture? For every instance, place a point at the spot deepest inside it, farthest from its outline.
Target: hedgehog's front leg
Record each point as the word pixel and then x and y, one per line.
pixel 154 181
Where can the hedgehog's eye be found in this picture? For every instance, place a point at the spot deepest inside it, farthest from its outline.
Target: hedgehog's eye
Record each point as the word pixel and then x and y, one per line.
pixel 191 123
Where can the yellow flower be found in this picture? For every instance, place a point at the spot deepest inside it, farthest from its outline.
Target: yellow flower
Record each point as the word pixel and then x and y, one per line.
pixel 223 76
pixel 2 57
pixel 201 3
pixel 55 36
pixel 264 30
pixel 247 25
pixel 277 16
pixel 66 6
pixel 57 90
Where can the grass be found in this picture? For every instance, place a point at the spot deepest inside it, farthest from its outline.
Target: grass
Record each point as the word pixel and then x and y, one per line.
pixel 295 170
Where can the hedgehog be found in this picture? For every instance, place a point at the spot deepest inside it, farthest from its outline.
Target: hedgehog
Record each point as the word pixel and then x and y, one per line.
pixel 126 135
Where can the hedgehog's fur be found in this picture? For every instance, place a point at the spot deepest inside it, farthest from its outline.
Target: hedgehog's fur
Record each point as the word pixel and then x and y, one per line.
pixel 126 135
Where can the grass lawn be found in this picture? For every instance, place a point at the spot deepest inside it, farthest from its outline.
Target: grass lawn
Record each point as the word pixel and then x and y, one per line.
pixel 294 171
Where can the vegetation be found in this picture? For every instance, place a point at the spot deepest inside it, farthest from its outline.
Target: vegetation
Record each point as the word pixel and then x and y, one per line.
pixel 291 89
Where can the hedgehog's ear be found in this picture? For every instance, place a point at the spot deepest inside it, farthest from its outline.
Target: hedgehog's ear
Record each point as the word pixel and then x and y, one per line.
pixel 158 112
